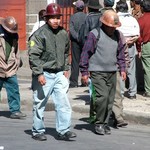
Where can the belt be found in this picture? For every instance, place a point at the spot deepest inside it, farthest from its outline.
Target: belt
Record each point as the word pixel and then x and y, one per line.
pixel 52 71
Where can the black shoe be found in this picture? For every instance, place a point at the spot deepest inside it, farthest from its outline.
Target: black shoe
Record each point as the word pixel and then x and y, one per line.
pixel 83 85
pixel 66 136
pixel 107 129
pixel 146 95
pixel 73 86
pixel 40 137
pixel 132 97
pixel 99 129
pixel 17 115
pixel 122 123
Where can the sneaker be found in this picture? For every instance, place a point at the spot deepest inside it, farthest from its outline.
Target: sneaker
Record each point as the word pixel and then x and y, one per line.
pixel 66 136
pixel 132 97
pixel 40 137
pixel 122 123
pixel 146 95
pixel 18 115
pixel 99 129
pixel 73 86
pixel 107 129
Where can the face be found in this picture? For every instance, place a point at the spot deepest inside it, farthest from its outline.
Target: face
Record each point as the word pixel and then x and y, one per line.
pixel 54 21
pixel 132 4
pixel 109 30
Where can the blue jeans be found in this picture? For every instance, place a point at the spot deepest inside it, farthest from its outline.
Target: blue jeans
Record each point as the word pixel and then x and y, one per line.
pixel 13 95
pixel 56 86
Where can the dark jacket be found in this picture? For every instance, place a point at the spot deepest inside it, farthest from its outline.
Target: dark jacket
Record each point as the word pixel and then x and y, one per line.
pixel 91 22
pixel 49 50
pixel 76 20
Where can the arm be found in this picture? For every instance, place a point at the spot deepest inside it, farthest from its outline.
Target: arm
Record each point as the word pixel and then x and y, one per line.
pixel 35 50
pixel 87 51
pixel 73 33
pixel 67 57
pixel 122 59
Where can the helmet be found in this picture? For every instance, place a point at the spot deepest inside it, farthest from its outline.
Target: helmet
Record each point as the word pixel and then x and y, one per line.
pixel 52 10
pixel 94 4
pixel 110 18
pixel 10 24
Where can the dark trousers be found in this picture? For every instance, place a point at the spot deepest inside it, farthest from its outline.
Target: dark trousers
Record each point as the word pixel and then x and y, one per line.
pixel 13 95
pixel 104 85
pixel 76 52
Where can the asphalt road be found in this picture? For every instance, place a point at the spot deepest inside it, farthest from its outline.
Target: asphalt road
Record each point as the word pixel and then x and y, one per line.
pixel 16 135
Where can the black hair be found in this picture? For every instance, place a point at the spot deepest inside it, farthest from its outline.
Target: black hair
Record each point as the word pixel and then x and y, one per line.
pixel 121 6
pixel 41 13
pixel 80 8
pixel 146 5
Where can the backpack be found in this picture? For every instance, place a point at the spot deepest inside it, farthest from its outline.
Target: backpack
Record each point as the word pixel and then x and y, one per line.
pixel 88 25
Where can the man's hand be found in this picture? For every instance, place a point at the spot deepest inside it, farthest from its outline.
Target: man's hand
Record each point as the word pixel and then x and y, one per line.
pixel 66 74
pixel 132 40
pixel 123 76
pixel 41 79
pixel 85 79
pixel 139 54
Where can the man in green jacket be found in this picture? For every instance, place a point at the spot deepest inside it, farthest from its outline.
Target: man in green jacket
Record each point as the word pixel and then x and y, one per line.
pixel 48 58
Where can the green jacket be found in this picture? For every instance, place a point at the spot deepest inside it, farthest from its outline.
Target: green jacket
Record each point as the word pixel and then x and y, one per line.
pixel 49 50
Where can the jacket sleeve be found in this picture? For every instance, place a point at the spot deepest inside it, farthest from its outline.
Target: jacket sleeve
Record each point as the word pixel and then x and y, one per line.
pixel 35 49
pixel 122 53
pixel 73 33
pixel 17 52
pixel 67 48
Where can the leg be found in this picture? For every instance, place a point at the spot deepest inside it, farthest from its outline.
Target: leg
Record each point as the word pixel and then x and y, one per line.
pixel 62 107
pixel 1 85
pixel 132 78
pixel 40 97
pixel 12 88
pixel 118 106
pixel 76 52
pixel 146 66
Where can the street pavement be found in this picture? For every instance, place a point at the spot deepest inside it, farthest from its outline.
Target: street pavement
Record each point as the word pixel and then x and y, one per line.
pixel 134 110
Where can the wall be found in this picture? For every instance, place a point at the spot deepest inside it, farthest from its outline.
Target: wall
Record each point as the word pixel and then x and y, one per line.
pixel 16 9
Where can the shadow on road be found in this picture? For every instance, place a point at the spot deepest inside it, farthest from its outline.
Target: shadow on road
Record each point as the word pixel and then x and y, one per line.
pixel 5 114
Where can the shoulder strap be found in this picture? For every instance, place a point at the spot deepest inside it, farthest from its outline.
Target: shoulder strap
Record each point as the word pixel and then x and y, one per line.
pixel 96 32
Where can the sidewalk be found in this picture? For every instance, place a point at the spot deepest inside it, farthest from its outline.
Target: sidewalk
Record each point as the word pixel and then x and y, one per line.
pixel 135 110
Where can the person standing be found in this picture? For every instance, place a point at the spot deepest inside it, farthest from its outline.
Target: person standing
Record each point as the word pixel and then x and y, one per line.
pixel 40 22
pixel 143 45
pixel 137 12
pixel 76 20
pixel 130 29
pixel 48 58
pixel 100 59
pixel 10 62
pixel 91 21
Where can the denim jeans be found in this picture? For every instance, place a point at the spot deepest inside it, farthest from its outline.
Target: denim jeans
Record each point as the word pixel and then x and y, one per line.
pixel 57 87
pixel 13 95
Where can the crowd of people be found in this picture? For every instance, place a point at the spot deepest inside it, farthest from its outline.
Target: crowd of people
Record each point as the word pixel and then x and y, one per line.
pixel 104 44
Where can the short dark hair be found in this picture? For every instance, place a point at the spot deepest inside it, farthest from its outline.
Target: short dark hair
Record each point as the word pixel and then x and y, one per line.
pixel 41 14
pixel 146 5
pixel 121 6
pixel 109 3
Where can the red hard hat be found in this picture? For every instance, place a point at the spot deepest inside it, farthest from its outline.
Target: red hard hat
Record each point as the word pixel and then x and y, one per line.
pixel 53 9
